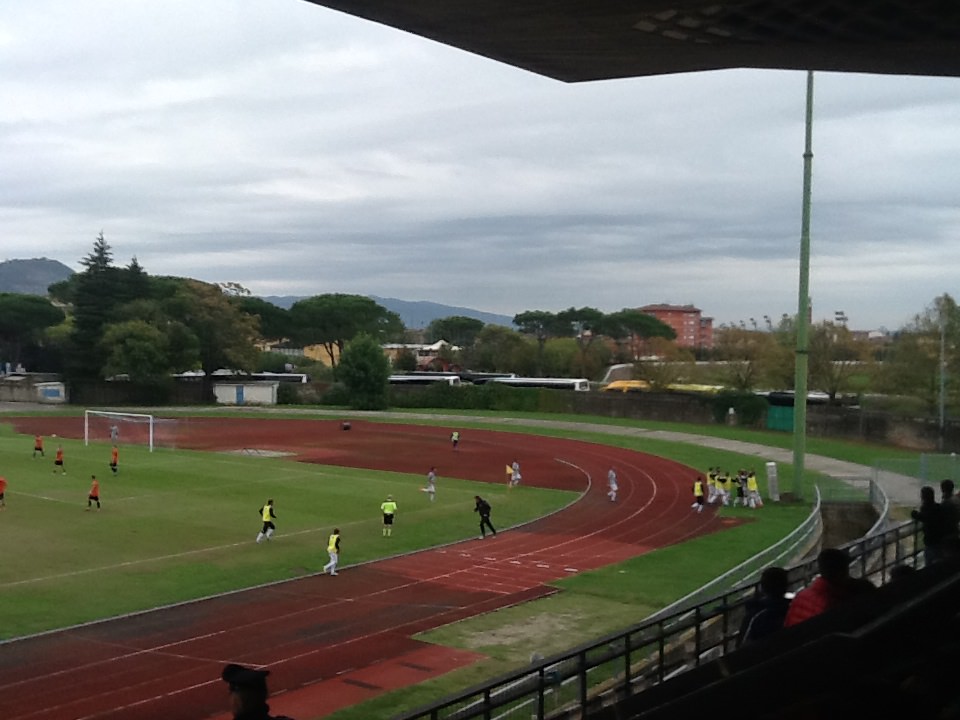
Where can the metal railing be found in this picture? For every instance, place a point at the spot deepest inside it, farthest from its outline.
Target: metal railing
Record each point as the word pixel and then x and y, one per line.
pixel 691 631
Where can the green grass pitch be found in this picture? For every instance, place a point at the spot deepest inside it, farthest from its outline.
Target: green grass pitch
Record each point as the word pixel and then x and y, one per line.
pixel 178 525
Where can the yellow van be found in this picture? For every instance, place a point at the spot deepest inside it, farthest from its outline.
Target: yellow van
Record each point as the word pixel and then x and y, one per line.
pixel 626 386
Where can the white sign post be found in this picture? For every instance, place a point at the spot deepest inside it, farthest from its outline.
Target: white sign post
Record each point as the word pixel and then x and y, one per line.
pixel 773 486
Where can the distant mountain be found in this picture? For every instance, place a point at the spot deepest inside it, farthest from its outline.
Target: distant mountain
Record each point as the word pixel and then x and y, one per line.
pixel 415 314
pixel 31 277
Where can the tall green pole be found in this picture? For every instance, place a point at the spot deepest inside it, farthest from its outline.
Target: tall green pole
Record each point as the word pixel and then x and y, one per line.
pixel 803 310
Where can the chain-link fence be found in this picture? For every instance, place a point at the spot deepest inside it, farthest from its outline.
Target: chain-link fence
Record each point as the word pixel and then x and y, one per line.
pixel 910 474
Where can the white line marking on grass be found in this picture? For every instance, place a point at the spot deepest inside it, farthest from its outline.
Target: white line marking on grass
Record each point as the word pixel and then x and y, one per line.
pixel 44 497
pixel 146 561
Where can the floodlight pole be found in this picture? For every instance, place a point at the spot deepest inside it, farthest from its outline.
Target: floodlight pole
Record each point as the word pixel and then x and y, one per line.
pixel 803 309
pixel 943 371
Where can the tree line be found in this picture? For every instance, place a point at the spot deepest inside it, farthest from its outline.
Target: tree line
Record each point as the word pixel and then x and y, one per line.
pixel 109 321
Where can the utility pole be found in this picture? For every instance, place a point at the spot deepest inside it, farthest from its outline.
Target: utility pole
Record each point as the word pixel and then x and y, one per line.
pixel 803 310
pixel 943 372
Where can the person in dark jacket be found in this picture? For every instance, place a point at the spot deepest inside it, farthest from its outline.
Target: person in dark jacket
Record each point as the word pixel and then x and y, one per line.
pixel 764 614
pixel 936 525
pixel 483 508
pixel 248 693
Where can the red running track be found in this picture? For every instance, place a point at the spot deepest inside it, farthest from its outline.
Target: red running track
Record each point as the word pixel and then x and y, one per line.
pixel 330 642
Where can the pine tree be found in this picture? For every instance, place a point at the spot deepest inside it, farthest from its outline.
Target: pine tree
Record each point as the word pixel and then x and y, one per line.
pixel 93 303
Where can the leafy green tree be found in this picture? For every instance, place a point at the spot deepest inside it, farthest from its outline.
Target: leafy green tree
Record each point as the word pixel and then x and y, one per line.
pixel 913 364
pixel 49 352
pixel 836 357
pixel 272 362
pixel 559 358
pixel 95 296
pixel 64 291
pixel 226 336
pixel 275 323
pixel 23 318
pixel 136 349
pixel 134 283
pixel 457 330
pixel 181 343
pixel 145 308
pixel 183 346
pixel 405 361
pixel 332 320
pixel 586 324
pixel 500 349
pixel 629 328
pixel 779 365
pixel 542 325
pixel 749 355
pixel 365 370
pixel 673 364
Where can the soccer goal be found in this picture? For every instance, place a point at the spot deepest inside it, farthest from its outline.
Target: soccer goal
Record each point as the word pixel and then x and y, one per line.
pixel 128 428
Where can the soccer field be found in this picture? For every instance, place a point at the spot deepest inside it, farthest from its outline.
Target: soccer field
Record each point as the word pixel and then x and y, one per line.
pixel 180 524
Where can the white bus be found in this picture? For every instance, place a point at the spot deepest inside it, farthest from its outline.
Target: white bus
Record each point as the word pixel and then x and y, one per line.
pixel 578 384
pixel 284 377
pixel 424 379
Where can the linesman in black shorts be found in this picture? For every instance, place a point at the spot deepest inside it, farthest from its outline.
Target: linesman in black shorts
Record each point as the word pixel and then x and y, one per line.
pixel 389 508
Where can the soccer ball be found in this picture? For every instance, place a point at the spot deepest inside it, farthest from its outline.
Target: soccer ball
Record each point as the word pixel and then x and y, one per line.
pixel 54 435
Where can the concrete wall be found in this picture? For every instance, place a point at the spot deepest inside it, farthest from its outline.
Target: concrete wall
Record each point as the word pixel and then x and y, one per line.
pixel 250 393
pixel 32 389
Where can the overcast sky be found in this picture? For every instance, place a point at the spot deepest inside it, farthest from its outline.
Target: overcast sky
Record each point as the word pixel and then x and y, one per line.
pixel 299 151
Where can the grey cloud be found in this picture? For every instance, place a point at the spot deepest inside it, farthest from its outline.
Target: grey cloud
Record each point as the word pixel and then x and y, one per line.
pixel 298 150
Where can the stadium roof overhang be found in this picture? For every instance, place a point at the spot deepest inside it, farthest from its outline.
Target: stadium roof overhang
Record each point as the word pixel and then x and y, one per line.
pixel 580 40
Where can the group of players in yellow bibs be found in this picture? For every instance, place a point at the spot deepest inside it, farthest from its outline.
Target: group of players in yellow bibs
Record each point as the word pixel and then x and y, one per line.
pixel 742 486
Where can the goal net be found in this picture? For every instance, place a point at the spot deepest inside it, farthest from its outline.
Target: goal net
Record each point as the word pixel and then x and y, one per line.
pixel 129 429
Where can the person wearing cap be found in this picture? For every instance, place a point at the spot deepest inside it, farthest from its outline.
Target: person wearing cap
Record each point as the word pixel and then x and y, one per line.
pixel 333 549
pixel 248 693
pixel 389 509
pixel 268 516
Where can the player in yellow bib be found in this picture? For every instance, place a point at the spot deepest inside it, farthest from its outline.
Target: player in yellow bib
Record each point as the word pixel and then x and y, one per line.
pixel 753 491
pixel 333 550
pixel 268 516
pixel 698 494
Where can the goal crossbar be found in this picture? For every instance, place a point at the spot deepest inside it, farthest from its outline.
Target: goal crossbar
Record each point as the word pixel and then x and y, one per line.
pixel 140 418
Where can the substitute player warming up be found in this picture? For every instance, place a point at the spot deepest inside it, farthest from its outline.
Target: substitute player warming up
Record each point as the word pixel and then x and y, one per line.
pixel 268 516
pixel 333 550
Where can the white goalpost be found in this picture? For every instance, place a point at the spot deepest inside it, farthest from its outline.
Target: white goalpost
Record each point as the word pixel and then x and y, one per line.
pixel 117 427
